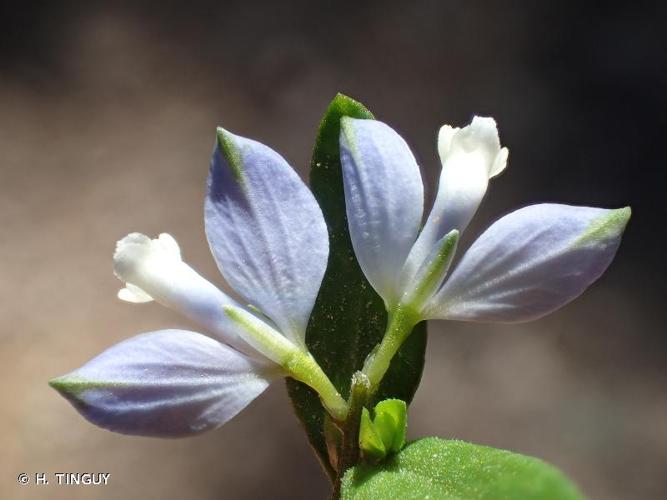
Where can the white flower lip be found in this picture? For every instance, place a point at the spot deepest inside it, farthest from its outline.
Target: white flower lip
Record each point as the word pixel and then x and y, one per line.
pixel 480 137
pixel 153 269
pixel 470 156
pixel 137 257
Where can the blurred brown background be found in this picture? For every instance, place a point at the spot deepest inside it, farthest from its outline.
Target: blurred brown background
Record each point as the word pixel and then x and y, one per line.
pixel 107 119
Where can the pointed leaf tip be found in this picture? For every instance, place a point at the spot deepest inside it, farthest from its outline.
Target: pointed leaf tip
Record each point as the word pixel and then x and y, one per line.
pixel 59 384
pixel 607 227
pixel 231 153
pixel 71 386
pixel 343 102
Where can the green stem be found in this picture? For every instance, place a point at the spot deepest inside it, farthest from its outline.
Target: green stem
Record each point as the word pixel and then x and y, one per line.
pixel 303 367
pixel 400 323
pixel 349 451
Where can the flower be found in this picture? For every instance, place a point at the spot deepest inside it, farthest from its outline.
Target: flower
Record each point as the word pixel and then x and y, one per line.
pixel 269 240
pixel 524 266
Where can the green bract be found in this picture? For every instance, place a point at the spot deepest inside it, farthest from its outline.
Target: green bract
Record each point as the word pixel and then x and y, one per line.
pixel 385 432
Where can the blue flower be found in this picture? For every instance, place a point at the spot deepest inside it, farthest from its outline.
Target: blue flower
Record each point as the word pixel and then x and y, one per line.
pixel 526 265
pixel 269 239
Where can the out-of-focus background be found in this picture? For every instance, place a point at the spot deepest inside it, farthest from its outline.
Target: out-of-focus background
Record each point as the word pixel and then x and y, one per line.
pixel 107 120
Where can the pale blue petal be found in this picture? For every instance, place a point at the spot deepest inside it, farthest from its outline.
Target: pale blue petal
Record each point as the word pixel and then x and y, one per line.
pixel 168 383
pixel 384 199
pixel 266 231
pixel 530 263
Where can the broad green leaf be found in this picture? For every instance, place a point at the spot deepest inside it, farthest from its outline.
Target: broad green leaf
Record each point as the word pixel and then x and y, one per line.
pixel 454 470
pixel 348 319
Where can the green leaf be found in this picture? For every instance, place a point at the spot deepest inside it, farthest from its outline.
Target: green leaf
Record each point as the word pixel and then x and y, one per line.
pixel 349 318
pixel 454 470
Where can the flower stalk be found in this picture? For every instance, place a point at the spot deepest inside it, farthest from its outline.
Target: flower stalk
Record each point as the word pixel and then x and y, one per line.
pixel 402 319
pixel 303 367
pixel 349 453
